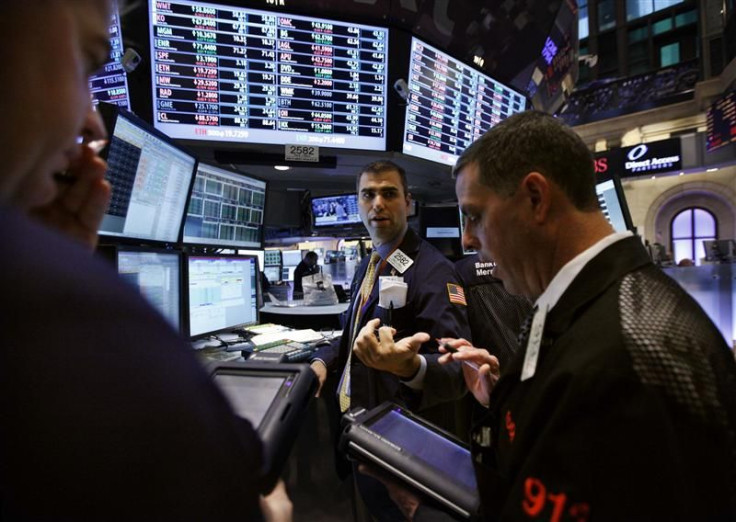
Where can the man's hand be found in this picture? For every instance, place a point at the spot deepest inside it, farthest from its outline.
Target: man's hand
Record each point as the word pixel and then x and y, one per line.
pixel 399 358
pixel 276 506
pixel 81 203
pixel 320 370
pixel 479 381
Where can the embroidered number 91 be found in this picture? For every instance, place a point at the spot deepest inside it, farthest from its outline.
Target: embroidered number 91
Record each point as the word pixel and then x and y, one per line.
pixel 536 497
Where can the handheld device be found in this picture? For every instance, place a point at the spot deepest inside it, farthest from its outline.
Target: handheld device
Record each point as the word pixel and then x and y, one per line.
pixel 274 398
pixel 418 453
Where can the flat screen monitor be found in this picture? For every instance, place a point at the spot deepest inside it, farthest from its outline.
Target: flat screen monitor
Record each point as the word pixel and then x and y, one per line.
pixel 225 209
pixel 234 74
pixel 440 226
pixel 157 275
pixel 272 258
pixel 222 293
pixel 150 176
pixel 450 105
pixel 291 257
pixel 110 84
pixel 721 122
pixel 613 203
pixel 273 273
pixel 335 210
pixel 287 273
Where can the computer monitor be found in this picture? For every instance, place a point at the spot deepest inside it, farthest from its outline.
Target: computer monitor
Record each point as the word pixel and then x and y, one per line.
pixel 613 203
pixel 272 258
pixel 273 273
pixel 720 250
pixel 450 104
pixel 335 210
pixel 157 275
pixel 225 209
pixel 287 273
pixel 291 257
pixel 110 83
pixel 222 293
pixel 151 178
pixel 234 74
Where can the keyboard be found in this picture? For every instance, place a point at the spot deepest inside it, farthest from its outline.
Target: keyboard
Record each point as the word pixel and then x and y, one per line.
pixel 294 352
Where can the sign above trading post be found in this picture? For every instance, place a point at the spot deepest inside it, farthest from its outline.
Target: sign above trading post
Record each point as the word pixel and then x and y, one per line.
pixel 651 158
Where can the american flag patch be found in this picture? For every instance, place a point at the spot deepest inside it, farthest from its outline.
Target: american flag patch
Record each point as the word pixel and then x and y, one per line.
pixel 457 294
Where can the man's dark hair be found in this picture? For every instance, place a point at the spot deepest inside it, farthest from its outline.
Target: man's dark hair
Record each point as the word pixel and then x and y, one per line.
pixel 311 256
pixel 377 167
pixel 533 141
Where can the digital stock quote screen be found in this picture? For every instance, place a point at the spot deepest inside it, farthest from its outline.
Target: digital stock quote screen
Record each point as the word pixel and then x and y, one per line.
pixel 450 105
pixel 242 75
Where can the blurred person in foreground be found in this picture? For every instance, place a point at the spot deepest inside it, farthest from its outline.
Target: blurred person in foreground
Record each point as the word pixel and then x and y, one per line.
pixel 106 413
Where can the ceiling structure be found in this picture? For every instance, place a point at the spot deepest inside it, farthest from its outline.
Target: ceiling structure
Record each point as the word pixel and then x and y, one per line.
pixel 508 36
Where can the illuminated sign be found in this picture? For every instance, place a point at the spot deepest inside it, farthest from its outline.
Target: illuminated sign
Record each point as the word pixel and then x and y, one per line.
pixel 652 158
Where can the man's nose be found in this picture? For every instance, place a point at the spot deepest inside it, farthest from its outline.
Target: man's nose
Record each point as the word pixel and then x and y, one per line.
pixel 93 127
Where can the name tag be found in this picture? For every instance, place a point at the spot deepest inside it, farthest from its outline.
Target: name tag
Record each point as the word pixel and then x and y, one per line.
pixel 400 261
pixel 533 345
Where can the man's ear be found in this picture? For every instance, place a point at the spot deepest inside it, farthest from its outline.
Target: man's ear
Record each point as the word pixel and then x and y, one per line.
pixel 538 191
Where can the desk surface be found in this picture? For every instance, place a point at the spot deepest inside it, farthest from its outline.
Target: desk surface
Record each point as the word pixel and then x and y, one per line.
pixel 306 310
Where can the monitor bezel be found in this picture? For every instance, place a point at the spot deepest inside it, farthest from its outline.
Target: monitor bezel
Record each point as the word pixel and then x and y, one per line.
pixel 187 311
pixel 198 244
pixel 110 114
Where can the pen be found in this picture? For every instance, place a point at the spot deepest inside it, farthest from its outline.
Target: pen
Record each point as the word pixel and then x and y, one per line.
pixel 390 312
pixel 452 349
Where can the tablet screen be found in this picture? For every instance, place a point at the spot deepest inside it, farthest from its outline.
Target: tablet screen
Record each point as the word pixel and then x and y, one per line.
pixel 432 448
pixel 250 396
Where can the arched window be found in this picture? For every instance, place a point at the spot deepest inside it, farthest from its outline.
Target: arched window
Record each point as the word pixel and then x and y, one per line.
pixel 689 228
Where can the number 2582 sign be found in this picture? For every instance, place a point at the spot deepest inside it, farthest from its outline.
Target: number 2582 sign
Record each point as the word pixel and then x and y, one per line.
pixel 302 153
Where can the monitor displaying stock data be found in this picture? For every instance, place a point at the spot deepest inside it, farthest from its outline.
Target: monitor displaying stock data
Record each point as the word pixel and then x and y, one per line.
pixel 450 105
pixel 110 84
pixel 613 204
pixel 225 209
pixel 150 178
pixel 222 293
pixel 235 74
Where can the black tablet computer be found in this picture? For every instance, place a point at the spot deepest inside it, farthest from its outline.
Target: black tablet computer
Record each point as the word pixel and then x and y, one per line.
pixel 274 398
pixel 420 454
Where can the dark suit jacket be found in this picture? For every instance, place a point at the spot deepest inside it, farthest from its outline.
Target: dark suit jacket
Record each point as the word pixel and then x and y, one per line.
pixel 106 413
pixel 631 414
pixel 428 309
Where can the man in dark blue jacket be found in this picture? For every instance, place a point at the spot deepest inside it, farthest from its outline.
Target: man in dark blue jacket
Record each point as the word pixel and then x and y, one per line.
pixel 406 284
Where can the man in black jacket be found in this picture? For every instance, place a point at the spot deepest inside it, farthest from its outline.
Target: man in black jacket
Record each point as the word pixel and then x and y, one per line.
pixel 621 403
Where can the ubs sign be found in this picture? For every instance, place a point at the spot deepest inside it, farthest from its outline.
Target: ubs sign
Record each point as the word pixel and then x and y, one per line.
pixel 652 158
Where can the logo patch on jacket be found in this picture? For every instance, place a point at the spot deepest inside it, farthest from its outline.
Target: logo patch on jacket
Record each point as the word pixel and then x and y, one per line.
pixel 456 294
pixel 510 426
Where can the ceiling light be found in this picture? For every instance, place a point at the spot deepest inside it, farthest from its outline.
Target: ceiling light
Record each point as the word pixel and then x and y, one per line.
pixel 281 167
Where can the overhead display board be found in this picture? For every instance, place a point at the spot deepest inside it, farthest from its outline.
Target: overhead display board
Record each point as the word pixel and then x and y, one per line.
pixel 450 105
pixel 233 74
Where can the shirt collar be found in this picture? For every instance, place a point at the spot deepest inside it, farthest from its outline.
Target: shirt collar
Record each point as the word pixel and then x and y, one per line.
pixel 386 248
pixel 567 274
